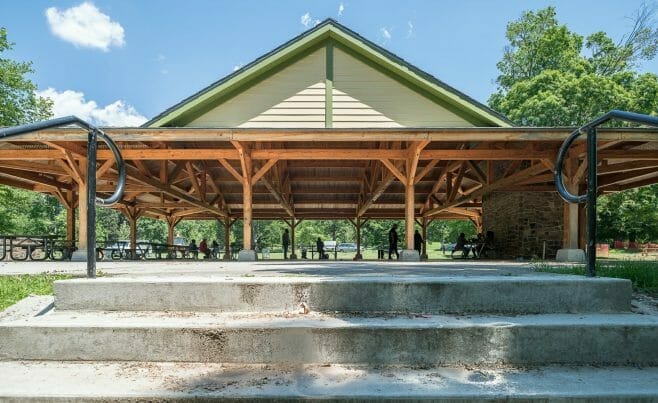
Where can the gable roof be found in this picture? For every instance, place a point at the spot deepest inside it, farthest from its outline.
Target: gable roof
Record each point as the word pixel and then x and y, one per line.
pixel 329 30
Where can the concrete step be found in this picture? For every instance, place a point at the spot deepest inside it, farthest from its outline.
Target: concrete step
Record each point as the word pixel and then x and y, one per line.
pixel 579 339
pixel 149 381
pixel 526 294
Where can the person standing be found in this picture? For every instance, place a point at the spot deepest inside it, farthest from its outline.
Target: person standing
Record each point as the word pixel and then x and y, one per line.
pixel 319 246
pixel 393 242
pixel 285 241
pixel 418 242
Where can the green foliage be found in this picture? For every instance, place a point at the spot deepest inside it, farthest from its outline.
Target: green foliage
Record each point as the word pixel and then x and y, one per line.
pixel 28 213
pixel 15 288
pixel 632 214
pixel 19 103
pixel 448 230
pixel 547 80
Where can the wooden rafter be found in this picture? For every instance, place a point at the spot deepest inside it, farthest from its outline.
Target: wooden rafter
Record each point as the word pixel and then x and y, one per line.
pixel 484 190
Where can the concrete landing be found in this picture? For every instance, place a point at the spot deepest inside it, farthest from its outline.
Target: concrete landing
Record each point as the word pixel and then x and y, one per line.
pixel 601 339
pixel 519 294
pixel 277 268
pixel 146 381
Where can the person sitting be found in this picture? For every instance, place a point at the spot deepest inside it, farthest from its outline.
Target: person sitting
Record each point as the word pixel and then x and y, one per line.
pixel 214 250
pixel 203 248
pixel 461 245
pixel 193 250
pixel 319 245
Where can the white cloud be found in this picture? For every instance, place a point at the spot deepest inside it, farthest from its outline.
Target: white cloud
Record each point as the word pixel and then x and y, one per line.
pixel 341 8
pixel 85 26
pixel 386 34
pixel 410 31
pixel 161 57
pixel 237 67
pixel 68 102
pixel 307 20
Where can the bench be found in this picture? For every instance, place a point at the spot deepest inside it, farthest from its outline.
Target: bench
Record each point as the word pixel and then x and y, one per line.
pixel 649 250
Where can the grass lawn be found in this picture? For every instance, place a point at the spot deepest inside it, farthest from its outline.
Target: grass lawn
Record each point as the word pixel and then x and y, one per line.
pixel 642 273
pixel 15 288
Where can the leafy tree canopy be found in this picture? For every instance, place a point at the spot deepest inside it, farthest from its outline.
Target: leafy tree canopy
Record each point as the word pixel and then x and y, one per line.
pixel 550 76
pixel 19 103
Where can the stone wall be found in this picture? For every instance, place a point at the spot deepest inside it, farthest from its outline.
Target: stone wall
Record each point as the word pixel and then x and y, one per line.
pixel 522 221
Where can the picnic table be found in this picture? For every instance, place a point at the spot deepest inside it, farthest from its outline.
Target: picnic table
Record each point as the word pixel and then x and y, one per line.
pixel 649 249
pixel 23 247
pixel 313 250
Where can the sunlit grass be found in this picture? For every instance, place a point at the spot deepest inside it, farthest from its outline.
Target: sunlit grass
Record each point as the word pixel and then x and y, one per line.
pixel 643 274
pixel 15 288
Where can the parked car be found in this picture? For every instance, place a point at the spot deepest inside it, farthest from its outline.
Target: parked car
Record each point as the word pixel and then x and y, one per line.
pixel 329 245
pixel 346 247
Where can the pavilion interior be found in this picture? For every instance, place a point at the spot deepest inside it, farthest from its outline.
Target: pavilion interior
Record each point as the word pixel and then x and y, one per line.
pixel 351 174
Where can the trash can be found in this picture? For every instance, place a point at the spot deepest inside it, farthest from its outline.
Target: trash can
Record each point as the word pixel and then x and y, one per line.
pixel 266 253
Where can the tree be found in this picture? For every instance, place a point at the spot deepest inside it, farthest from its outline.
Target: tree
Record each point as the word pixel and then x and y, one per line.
pixel 549 76
pixel 22 211
pixel 546 79
pixel 19 103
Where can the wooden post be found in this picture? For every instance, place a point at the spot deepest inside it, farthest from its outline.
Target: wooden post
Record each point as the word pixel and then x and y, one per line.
pixel 132 221
pixel 171 225
pixel 132 214
pixel 247 205
pixel 293 225
pixel 570 220
pixel 409 216
pixel 423 255
pixel 70 224
pixel 247 213
pixel 227 238
pixel 82 220
pixel 357 224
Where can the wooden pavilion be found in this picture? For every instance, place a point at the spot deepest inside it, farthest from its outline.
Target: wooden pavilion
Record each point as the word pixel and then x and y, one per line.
pixel 328 125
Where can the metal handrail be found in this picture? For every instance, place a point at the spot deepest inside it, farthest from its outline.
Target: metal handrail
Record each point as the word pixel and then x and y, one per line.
pixel 93 133
pixel 592 160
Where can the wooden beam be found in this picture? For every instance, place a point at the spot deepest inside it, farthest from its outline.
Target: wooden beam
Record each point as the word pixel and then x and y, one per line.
pixel 77 172
pixel 34 167
pixel 510 180
pixel 231 170
pixel 458 182
pixel 326 154
pixel 479 134
pixel 426 169
pixel 35 177
pixel 136 175
pixel 612 179
pixel 394 170
pixel 195 183
pixel 478 172
pixel 412 160
pixel 385 183
pixel 444 173
pixel 263 170
pixel 104 168
pixel 626 167
pixel 279 197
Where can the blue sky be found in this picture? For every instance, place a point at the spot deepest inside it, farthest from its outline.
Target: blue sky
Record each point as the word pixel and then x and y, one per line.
pixel 143 56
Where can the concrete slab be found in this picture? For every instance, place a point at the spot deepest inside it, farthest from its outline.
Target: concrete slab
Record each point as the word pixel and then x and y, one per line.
pixel 611 339
pixel 146 381
pixel 276 268
pixel 523 294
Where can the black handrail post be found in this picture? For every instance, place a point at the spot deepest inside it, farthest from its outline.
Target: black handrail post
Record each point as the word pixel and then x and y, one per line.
pixel 92 145
pixel 592 185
